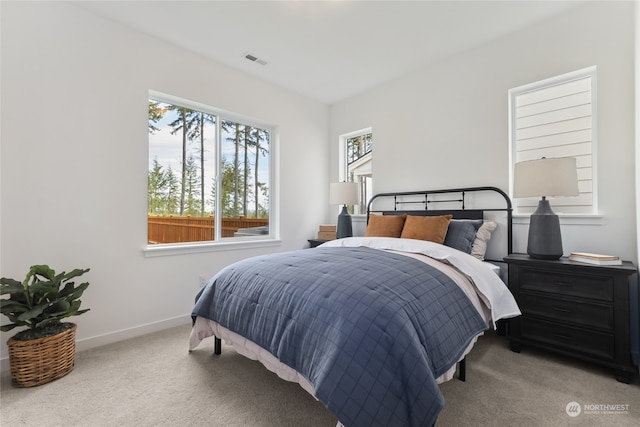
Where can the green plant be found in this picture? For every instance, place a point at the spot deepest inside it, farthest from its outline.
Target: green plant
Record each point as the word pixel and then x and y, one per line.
pixel 41 301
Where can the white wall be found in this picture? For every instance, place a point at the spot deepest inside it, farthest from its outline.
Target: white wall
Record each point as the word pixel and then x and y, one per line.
pixel 446 125
pixel 637 119
pixel 74 161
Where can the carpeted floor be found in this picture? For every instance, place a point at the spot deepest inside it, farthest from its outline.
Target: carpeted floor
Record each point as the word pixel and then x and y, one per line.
pixel 154 381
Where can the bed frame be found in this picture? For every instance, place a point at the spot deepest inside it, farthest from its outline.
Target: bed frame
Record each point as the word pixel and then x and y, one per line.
pixel 444 202
pixel 451 201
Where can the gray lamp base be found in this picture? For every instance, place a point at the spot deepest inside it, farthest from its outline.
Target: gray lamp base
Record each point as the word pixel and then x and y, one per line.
pixel 344 228
pixel 545 240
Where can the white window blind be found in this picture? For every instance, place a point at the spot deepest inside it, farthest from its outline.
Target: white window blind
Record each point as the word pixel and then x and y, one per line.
pixel 556 118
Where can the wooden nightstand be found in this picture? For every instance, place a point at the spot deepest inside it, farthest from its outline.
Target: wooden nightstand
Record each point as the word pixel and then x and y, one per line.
pixel 575 309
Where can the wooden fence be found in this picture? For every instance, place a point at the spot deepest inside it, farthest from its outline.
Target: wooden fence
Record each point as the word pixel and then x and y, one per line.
pixel 176 229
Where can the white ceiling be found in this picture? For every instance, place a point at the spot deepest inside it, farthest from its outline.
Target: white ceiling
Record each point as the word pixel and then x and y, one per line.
pixel 327 50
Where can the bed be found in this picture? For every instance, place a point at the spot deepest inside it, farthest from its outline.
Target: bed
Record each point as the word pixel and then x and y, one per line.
pixel 371 325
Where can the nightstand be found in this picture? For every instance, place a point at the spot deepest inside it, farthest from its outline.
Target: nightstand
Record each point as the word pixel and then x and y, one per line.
pixel 575 309
pixel 315 242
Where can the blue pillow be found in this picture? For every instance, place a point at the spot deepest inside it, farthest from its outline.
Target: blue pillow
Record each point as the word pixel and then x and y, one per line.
pixel 461 234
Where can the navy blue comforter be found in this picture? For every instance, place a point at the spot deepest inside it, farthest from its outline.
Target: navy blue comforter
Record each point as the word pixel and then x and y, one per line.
pixel 370 330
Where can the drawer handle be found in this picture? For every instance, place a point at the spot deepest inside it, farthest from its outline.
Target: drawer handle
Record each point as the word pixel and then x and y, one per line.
pixel 561 310
pixel 563 284
pixel 561 336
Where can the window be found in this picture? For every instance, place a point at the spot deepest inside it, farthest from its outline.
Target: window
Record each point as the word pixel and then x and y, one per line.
pixel 556 117
pixel 357 155
pixel 209 174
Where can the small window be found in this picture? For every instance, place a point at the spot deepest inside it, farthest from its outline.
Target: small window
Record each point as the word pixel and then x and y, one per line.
pixel 556 117
pixel 209 174
pixel 357 161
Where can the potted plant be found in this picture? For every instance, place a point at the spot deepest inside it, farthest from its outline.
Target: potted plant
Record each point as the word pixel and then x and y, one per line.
pixel 45 350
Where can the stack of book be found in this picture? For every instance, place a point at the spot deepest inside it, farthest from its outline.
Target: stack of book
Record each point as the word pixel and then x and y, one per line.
pixel 327 232
pixel 596 259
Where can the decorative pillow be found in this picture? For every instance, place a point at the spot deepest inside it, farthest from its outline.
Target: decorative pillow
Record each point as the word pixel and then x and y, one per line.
pixel 462 233
pixel 385 225
pixel 479 247
pixel 431 228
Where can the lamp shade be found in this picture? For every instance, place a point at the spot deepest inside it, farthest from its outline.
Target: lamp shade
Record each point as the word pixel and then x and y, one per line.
pixel 546 177
pixel 343 193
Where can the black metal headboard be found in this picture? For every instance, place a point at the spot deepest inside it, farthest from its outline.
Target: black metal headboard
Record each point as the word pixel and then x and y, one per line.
pixel 443 202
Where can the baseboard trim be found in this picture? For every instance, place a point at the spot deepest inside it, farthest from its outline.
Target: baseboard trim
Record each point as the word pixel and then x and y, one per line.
pixel 121 335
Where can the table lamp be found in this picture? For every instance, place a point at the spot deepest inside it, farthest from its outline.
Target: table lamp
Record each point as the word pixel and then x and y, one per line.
pixel 545 177
pixel 343 193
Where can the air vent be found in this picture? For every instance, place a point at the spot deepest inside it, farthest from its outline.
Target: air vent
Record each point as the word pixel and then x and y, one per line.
pixel 255 59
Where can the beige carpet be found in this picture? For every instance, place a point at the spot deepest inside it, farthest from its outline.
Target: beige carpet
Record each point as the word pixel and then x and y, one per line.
pixel 154 381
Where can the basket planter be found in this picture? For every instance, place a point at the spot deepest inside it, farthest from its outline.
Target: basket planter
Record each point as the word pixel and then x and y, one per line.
pixel 42 360
pixel 39 303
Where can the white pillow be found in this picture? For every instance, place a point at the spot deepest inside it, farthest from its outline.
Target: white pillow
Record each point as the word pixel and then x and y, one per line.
pixel 479 247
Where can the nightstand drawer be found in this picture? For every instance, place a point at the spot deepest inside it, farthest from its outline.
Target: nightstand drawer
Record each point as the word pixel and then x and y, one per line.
pixel 596 344
pixel 574 311
pixel 594 287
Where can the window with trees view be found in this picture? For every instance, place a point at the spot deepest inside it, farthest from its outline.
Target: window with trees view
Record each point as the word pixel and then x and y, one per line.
pixel 209 174
pixel 358 162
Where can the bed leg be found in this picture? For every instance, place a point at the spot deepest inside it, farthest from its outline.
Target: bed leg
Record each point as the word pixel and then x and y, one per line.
pixel 462 370
pixel 217 346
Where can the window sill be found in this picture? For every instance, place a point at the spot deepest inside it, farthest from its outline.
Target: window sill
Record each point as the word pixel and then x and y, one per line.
pixel 565 219
pixel 198 247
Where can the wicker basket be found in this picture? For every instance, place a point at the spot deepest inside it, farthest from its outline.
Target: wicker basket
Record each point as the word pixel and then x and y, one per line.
pixel 42 360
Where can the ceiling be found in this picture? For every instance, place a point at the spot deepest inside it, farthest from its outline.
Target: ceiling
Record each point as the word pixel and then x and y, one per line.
pixel 327 50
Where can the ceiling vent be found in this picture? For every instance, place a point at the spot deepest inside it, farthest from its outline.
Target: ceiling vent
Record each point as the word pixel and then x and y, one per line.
pixel 255 59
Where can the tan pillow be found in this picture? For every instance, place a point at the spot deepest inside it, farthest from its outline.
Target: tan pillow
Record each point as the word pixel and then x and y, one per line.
pixel 385 225
pixel 431 228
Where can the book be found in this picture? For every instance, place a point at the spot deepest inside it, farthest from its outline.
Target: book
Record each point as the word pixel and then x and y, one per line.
pixel 596 259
